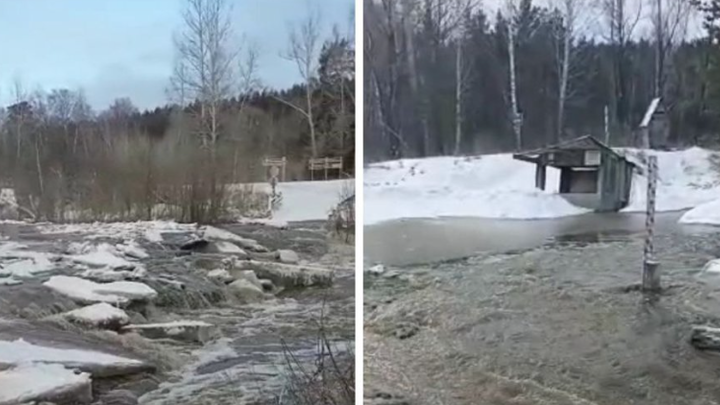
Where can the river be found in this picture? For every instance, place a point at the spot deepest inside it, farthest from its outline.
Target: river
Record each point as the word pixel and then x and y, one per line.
pixel 247 363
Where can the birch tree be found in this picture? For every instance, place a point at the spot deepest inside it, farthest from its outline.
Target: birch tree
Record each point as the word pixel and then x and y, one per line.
pixel 463 10
pixel 565 39
pixel 205 68
pixel 512 13
pixel 621 20
pixel 304 45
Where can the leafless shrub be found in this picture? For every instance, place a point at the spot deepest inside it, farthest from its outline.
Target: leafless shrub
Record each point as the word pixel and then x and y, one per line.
pixel 330 380
pixel 341 221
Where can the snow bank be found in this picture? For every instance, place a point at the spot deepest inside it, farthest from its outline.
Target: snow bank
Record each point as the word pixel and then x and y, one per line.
pixel 29 382
pixel 22 352
pixel 497 186
pixel 708 214
pixel 308 200
pixel 491 186
pixel 686 179
pixel 120 292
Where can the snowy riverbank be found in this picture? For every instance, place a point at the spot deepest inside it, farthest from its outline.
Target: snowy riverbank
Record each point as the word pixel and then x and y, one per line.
pixel 497 186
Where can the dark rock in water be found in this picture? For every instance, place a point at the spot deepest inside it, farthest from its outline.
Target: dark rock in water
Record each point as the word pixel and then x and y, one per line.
pixel 118 397
pixel 195 244
pixel 381 397
pixel 267 285
pixel 406 330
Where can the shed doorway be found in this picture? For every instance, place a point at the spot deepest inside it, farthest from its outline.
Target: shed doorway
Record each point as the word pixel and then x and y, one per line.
pixel 579 180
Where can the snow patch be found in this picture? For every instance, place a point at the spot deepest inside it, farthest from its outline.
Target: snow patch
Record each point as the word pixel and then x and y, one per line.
pixel 307 200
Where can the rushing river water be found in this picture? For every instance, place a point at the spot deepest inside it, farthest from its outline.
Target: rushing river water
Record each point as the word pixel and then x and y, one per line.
pixel 247 364
pixel 540 312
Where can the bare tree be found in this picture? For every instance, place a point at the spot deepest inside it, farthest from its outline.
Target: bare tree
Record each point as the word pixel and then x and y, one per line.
pixel 206 61
pixel 621 20
pixel 566 36
pixel 670 19
pixel 462 71
pixel 304 46
pixel 20 97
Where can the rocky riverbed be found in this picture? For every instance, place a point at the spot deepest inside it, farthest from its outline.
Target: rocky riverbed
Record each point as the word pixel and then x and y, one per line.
pixel 159 313
pixel 560 323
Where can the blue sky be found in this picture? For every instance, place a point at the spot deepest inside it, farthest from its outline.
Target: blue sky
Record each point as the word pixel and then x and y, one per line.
pixel 123 48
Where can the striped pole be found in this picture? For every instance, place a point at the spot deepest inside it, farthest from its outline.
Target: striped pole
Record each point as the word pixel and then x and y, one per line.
pixel 651 277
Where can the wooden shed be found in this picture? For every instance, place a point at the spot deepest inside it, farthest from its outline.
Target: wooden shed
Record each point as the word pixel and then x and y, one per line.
pixel 592 175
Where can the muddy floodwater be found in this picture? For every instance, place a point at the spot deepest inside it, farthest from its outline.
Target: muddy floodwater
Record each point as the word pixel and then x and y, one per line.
pixel 538 312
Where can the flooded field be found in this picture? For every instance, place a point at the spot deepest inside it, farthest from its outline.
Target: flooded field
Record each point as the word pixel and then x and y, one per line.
pixel 550 316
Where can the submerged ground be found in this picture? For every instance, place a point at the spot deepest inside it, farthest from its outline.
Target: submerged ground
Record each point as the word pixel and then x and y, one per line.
pixel 552 316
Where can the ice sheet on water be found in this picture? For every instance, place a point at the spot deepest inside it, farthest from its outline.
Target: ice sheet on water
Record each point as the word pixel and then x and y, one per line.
pixel 29 381
pixel 21 352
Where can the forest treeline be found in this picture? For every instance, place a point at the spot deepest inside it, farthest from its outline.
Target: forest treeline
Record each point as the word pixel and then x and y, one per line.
pixel 449 77
pixel 62 158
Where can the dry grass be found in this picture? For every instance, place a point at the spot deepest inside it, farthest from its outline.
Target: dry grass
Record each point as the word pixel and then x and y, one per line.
pixel 341 222
pixel 329 380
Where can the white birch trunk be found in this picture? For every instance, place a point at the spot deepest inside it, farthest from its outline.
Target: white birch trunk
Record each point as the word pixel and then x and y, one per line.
pixel 517 124
pixel 458 96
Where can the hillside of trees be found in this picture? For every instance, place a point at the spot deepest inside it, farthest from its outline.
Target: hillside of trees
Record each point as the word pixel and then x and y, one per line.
pixel 56 152
pixel 449 77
